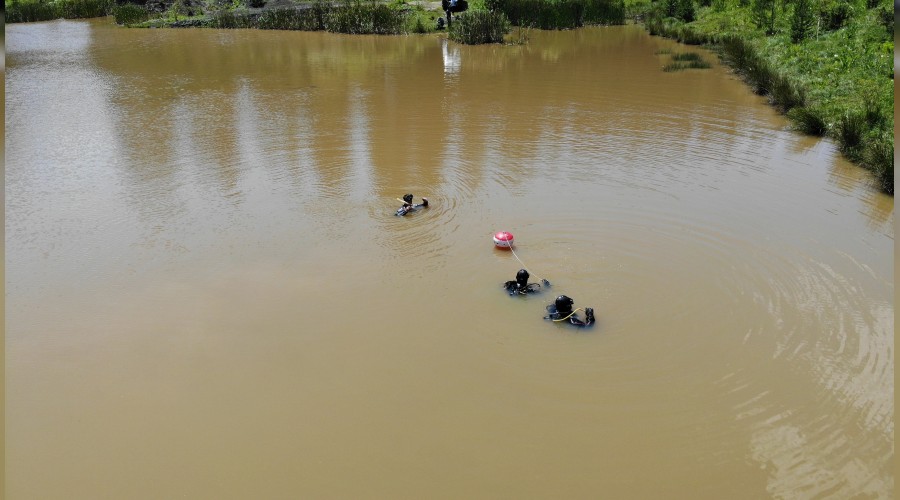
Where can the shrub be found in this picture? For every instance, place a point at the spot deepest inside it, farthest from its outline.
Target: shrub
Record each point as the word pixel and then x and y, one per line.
pixel 834 14
pixel 680 9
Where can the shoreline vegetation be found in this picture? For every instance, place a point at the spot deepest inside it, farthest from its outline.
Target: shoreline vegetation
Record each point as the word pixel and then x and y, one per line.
pixel 826 64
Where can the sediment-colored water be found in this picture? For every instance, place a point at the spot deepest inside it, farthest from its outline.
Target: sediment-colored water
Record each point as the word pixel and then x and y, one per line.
pixel 208 294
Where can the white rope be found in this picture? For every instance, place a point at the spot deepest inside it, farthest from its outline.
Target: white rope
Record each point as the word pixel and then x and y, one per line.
pixel 523 264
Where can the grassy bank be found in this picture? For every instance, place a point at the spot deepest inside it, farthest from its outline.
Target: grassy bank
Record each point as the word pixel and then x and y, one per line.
pixel 828 66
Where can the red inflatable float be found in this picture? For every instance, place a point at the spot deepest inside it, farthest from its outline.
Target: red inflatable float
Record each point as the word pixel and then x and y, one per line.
pixel 503 239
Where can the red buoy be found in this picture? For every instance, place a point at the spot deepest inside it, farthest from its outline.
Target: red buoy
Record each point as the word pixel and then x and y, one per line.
pixel 503 239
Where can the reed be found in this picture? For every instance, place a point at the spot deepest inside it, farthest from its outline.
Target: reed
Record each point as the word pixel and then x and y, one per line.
pixel 419 24
pixel 479 26
pixel 873 113
pixel 737 51
pixel 681 65
pixel 672 28
pixel 746 60
pixel 83 9
pixel 129 14
pixel 689 36
pixel 878 155
pixel 849 133
pixel 559 14
pixel 609 12
pixel 808 120
pixel 290 19
pixel 40 10
pixel 358 18
pixel 26 12
pixel 519 36
pixel 232 19
pixel 784 94
pixel 687 56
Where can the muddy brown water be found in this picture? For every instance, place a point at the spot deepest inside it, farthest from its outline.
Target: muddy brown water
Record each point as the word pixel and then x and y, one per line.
pixel 208 294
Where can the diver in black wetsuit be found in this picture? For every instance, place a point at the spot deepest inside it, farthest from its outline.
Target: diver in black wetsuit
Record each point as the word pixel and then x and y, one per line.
pixel 408 205
pixel 561 310
pixel 521 286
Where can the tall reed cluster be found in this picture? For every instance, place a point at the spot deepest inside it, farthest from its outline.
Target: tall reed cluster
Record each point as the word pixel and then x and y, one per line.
pixel 356 18
pixel 559 14
pixel 686 60
pixel 366 18
pixel 41 10
pixel 670 28
pixel 129 14
pixel 764 79
pixel 479 26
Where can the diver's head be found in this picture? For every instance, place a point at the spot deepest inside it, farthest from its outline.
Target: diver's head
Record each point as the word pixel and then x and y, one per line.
pixel 522 277
pixel 408 198
pixel 564 304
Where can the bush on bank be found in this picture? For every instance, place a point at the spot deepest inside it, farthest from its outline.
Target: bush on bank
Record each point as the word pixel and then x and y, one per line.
pixel 828 65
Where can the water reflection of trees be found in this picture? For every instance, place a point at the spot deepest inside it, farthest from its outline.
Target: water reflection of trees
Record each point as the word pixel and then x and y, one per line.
pixel 434 113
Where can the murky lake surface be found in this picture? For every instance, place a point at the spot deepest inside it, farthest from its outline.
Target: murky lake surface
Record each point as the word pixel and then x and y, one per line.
pixel 208 294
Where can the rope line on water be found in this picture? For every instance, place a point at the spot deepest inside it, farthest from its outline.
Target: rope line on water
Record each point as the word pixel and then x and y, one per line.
pixel 526 267
pixel 569 316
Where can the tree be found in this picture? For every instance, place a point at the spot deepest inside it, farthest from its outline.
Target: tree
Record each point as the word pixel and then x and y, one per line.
pixel 764 14
pixel 680 9
pixel 802 20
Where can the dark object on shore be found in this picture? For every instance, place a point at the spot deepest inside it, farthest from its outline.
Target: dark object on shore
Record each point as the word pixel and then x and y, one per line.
pixel 561 310
pixel 521 286
pixel 451 7
pixel 408 205
pixel 440 23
